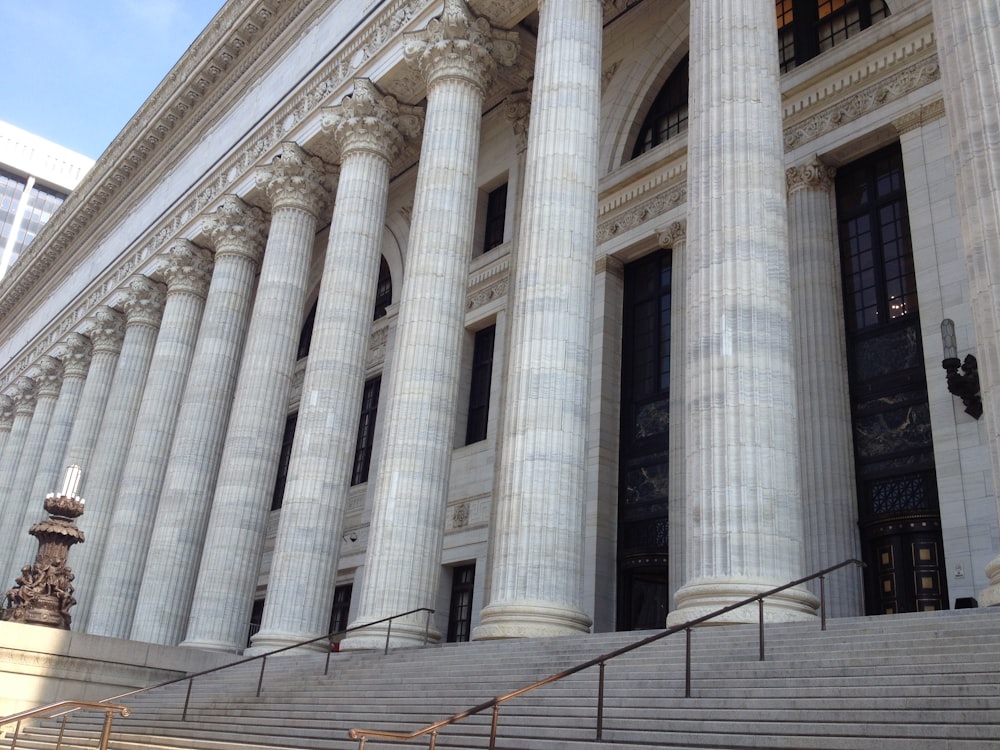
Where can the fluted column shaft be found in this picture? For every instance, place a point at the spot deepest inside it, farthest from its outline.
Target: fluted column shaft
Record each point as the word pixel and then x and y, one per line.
pixel 143 305
pixel 455 56
pixel 675 237
pixel 23 394
pixel 187 272
pixel 968 39
pixel 825 434
pixel 220 610
pixel 536 569
pixel 238 232
pixel 6 422
pixel 744 516
pixel 367 127
pixel 47 375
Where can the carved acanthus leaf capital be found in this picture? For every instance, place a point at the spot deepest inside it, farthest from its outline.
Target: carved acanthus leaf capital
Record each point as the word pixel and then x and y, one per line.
pixel 25 394
pixel 367 120
pixel 105 328
pixel 48 375
pixel 187 269
pixel 813 175
pixel 458 44
pixel 6 412
pixel 517 109
pixel 237 228
pixel 673 235
pixel 74 352
pixel 143 302
pixel 295 179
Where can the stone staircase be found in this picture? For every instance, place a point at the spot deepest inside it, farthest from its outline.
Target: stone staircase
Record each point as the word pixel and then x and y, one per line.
pixel 920 682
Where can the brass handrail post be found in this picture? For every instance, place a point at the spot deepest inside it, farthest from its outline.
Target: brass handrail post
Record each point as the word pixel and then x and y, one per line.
pixel 62 730
pixel 493 726
pixel 434 739
pixel 822 602
pixel 17 731
pixel 260 680
pixel 760 608
pixel 600 702
pixel 388 630
pixel 187 699
pixel 687 662
pixel 106 730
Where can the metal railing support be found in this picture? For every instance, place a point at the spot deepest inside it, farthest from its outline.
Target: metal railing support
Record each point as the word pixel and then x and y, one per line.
pixel 62 730
pixel 260 680
pixel 822 602
pixel 493 726
pixel 600 702
pixel 687 662
pixel 760 609
pixel 187 700
pixel 106 730
pixel 388 631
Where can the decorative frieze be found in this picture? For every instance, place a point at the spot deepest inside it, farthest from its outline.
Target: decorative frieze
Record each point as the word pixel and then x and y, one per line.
pixel 642 212
pixel 924 114
pixel 813 175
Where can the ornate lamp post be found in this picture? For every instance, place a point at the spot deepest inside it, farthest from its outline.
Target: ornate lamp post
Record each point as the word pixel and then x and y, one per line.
pixel 44 591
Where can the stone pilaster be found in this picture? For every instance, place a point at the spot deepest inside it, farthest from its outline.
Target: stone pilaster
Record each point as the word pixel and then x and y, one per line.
pixel 829 499
pixel 744 514
pixel 47 376
pixel 369 129
pixel 186 270
pixel 457 55
pixel 297 186
pixel 538 520
pixel 237 232
pixel 968 39
pixel 143 304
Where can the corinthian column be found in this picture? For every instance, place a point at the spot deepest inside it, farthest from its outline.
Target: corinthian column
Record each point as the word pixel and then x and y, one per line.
pixel 220 612
pixel 829 498
pixel 6 421
pixel 744 515
pixel 143 303
pixel 187 271
pixel 23 393
pixel 968 39
pixel 457 55
pixel 237 232
pixel 369 130
pixel 47 376
pixel 536 569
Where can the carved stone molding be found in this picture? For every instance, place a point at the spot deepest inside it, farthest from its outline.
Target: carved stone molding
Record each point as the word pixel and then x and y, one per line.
pixel 48 376
pixel 187 269
pixel 486 295
pixel 813 175
pixel 105 328
pixel 294 179
pixel 919 117
pixel 6 412
pixel 376 346
pixel 74 352
pixel 610 265
pixel 458 44
pixel 673 235
pixel 367 120
pixel 237 228
pixel 143 302
pixel 25 394
pixel 517 110
pixel 648 209
pixel 872 97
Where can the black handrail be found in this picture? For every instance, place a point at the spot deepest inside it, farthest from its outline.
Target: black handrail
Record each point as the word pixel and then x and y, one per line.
pixel 432 729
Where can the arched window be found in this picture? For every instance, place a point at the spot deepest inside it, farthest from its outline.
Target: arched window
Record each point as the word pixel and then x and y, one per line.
pixel 808 27
pixel 669 114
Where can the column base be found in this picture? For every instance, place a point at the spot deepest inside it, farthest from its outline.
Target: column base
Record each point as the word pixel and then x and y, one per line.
pixel 226 648
pixel 990 596
pixel 529 621
pixel 403 634
pixel 264 642
pixel 701 597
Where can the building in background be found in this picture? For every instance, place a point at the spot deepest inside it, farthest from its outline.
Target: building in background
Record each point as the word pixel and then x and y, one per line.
pixel 36 175
pixel 547 316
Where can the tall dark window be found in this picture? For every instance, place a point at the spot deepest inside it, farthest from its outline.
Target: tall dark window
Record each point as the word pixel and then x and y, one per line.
pixel 808 27
pixel 643 593
pixel 283 461
pixel 463 582
pixel 306 335
pixel 256 616
pixel 383 292
pixel 669 114
pixel 893 446
pixel 479 388
pixel 496 215
pixel 341 608
pixel 366 431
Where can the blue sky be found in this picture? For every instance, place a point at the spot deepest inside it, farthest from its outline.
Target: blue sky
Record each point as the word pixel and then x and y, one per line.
pixel 75 72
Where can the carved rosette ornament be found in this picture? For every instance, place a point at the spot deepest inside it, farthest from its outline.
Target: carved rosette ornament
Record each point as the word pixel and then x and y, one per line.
pixel 106 329
pixel 458 44
pixel 237 228
pixel 814 175
pixel 74 352
pixel 187 269
pixel 369 121
pixel 143 302
pixel 43 593
pixel 294 179
pixel 673 235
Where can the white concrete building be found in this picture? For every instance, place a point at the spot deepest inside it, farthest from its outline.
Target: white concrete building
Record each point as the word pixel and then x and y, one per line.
pixel 550 315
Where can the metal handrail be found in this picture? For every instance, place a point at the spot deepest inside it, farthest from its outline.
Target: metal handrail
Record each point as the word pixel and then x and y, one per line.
pixel 263 657
pixel 361 735
pixel 64 709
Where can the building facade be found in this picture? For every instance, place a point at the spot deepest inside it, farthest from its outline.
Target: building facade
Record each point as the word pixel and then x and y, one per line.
pixel 549 316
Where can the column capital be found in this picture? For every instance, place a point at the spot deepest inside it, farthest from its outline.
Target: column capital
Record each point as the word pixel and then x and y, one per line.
pixel 813 175
pixel 187 269
pixel 458 44
pixel 74 352
pixel 47 374
pixel 105 328
pixel 6 412
pixel 673 234
pixel 143 301
pixel 237 228
pixel 294 179
pixel 24 392
pixel 368 120
pixel 517 110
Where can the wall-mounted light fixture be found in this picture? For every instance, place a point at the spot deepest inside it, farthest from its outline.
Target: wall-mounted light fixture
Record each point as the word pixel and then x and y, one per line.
pixel 964 384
